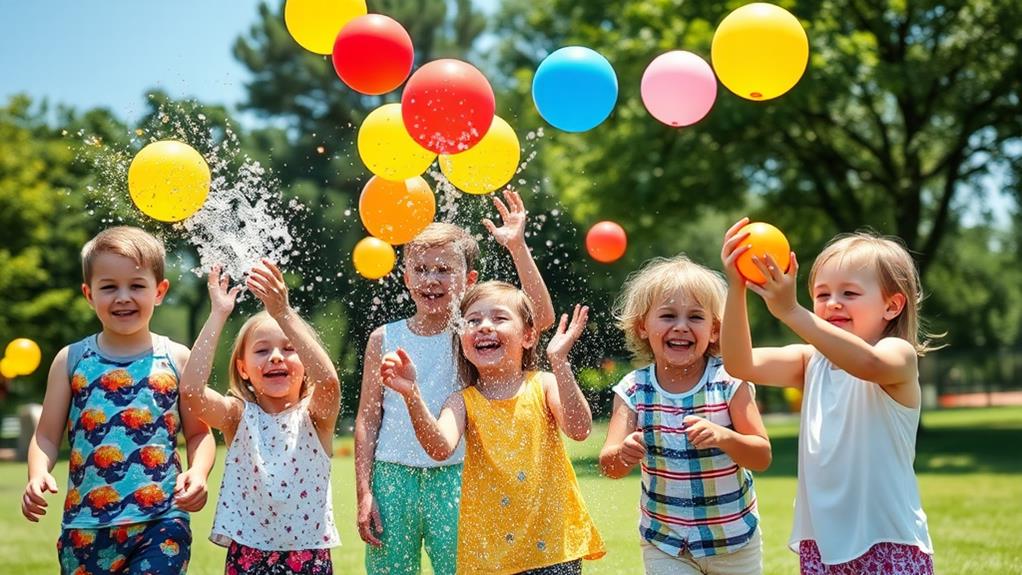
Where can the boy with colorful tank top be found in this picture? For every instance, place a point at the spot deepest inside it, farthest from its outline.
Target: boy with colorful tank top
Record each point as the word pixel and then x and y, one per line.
pixel 128 498
pixel 406 499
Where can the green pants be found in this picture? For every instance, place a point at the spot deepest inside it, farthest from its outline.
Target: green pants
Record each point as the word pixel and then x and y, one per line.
pixel 418 507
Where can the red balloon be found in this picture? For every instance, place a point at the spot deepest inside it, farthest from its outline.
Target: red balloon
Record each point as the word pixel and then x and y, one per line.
pixel 447 106
pixel 373 54
pixel 606 242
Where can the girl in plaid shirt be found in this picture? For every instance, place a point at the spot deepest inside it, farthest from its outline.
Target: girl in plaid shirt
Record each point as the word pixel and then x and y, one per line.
pixel 694 430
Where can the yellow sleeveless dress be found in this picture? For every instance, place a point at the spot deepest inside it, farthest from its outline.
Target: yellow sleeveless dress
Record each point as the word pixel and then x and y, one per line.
pixel 521 507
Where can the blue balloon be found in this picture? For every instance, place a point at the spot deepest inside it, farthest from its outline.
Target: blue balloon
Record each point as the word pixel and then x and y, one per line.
pixel 574 89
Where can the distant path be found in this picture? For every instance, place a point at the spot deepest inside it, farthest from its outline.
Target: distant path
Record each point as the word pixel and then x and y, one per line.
pixel 995 398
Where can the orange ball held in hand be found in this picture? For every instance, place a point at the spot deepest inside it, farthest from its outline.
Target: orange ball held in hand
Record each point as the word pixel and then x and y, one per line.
pixel 764 239
pixel 606 242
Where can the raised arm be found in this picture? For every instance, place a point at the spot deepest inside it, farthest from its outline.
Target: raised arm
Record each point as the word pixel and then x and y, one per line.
pixel 781 367
pixel 267 283
pixel 512 236
pixel 563 397
pixel 196 397
pixel 367 430
pixel 439 436
pixel 45 444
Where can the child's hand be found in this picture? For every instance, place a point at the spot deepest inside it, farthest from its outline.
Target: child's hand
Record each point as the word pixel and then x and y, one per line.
pixel 733 247
pixel 267 283
pixel 33 504
pixel 778 291
pixel 704 434
pixel 370 526
pixel 398 372
pixel 633 449
pixel 567 334
pixel 220 298
pixel 190 491
pixel 513 215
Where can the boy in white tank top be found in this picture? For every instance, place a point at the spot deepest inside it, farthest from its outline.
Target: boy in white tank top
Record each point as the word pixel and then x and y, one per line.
pixel 405 498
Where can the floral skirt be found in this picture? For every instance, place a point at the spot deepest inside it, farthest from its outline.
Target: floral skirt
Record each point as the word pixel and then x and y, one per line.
pixel 242 560
pixel 881 559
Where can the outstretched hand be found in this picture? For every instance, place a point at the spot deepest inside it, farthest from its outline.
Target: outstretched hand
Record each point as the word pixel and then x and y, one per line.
pixel 221 298
pixel 512 215
pixel 778 291
pixel 732 248
pixel 567 334
pixel 398 372
pixel 267 283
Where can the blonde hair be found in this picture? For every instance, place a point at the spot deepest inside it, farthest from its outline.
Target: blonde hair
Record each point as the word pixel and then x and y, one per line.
pixel 519 303
pixel 144 249
pixel 237 385
pixel 895 270
pixel 657 277
pixel 441 234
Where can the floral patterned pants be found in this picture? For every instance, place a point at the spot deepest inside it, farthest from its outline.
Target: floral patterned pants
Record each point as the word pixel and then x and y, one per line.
pixel 881 559
pixel 242 560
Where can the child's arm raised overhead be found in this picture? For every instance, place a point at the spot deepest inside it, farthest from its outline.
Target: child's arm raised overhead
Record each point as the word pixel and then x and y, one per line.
pixel 747 444
pixel 625 446
pixel 267 283
pixel 564 399
pixel 197 398
pixel 367 431
pixel 512 236
pixel 439 436
pixel 190 491
pixel 777 366
pixel 45 444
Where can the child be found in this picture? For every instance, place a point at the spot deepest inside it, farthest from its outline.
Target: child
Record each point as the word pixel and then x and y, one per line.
pixel 116 394
pixel 274 514
pixel 521 510
pixel 695 430
pixel 405 498
pixel 857 509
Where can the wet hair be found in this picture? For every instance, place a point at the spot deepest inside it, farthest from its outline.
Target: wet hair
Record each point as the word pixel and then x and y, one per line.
pixel 648 285
pixel 237 385
pixel 144 249
pixel 442 234
pixel 895 270
pixel 519 303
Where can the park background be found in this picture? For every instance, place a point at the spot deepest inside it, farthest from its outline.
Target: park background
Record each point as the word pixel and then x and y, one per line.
pixel 907 121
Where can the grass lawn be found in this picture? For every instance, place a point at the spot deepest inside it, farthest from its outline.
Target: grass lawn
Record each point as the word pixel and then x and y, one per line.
pixel 969 465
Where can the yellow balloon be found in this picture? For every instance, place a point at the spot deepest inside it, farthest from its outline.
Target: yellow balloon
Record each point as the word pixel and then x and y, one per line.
pixel 387 149
pixel 373 258
pixel 759 51
pixel 7 368
pixel 23 355
pixel 168 180
pixel 793 397
pixel 488 165
pixel 314 24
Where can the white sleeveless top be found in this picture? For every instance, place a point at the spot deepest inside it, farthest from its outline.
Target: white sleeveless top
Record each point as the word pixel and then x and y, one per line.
pixel 856 485
pixel 437 373
pixel 275 494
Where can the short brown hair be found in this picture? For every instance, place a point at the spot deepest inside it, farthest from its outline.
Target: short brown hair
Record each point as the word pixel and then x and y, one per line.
pixel 142 247
pixel 439 234
pixel 519 303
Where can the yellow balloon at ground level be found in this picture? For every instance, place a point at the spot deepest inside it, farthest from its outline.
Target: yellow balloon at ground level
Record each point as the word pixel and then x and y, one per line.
pixel 168 180
pixel 488 165
pixel 7 369
pixel 373 258
pixel 314 24
pixel 387 149
pixel 759 51
pixel 396 212
pixel 23 355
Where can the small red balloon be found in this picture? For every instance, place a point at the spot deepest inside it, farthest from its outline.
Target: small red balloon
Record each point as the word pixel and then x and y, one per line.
pixel 373 54
pixel 606 242
pixel 447 106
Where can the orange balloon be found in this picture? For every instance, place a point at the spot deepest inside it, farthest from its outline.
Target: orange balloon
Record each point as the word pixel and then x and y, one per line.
pixel 606 242
pixel 396 212
pixel 764 239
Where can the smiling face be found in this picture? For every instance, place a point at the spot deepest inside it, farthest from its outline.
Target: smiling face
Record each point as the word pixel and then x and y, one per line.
pixel 270 363
pixel 495 337
pixel 123 294
pixel 679 330
pixel 848 295
pixel 436 278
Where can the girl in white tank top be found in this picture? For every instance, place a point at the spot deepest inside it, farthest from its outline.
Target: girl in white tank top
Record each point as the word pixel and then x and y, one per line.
pixel 857 508
pixel 274 514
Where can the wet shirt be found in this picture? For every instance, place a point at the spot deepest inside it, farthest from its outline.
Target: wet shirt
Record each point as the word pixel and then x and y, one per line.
pixel 521 508
pixel 122 429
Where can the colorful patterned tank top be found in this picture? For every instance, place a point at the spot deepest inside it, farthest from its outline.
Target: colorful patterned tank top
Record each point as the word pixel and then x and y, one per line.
pixel 122 428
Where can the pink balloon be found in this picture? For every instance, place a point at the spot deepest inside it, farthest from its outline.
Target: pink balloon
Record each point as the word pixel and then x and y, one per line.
pixel 678 88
